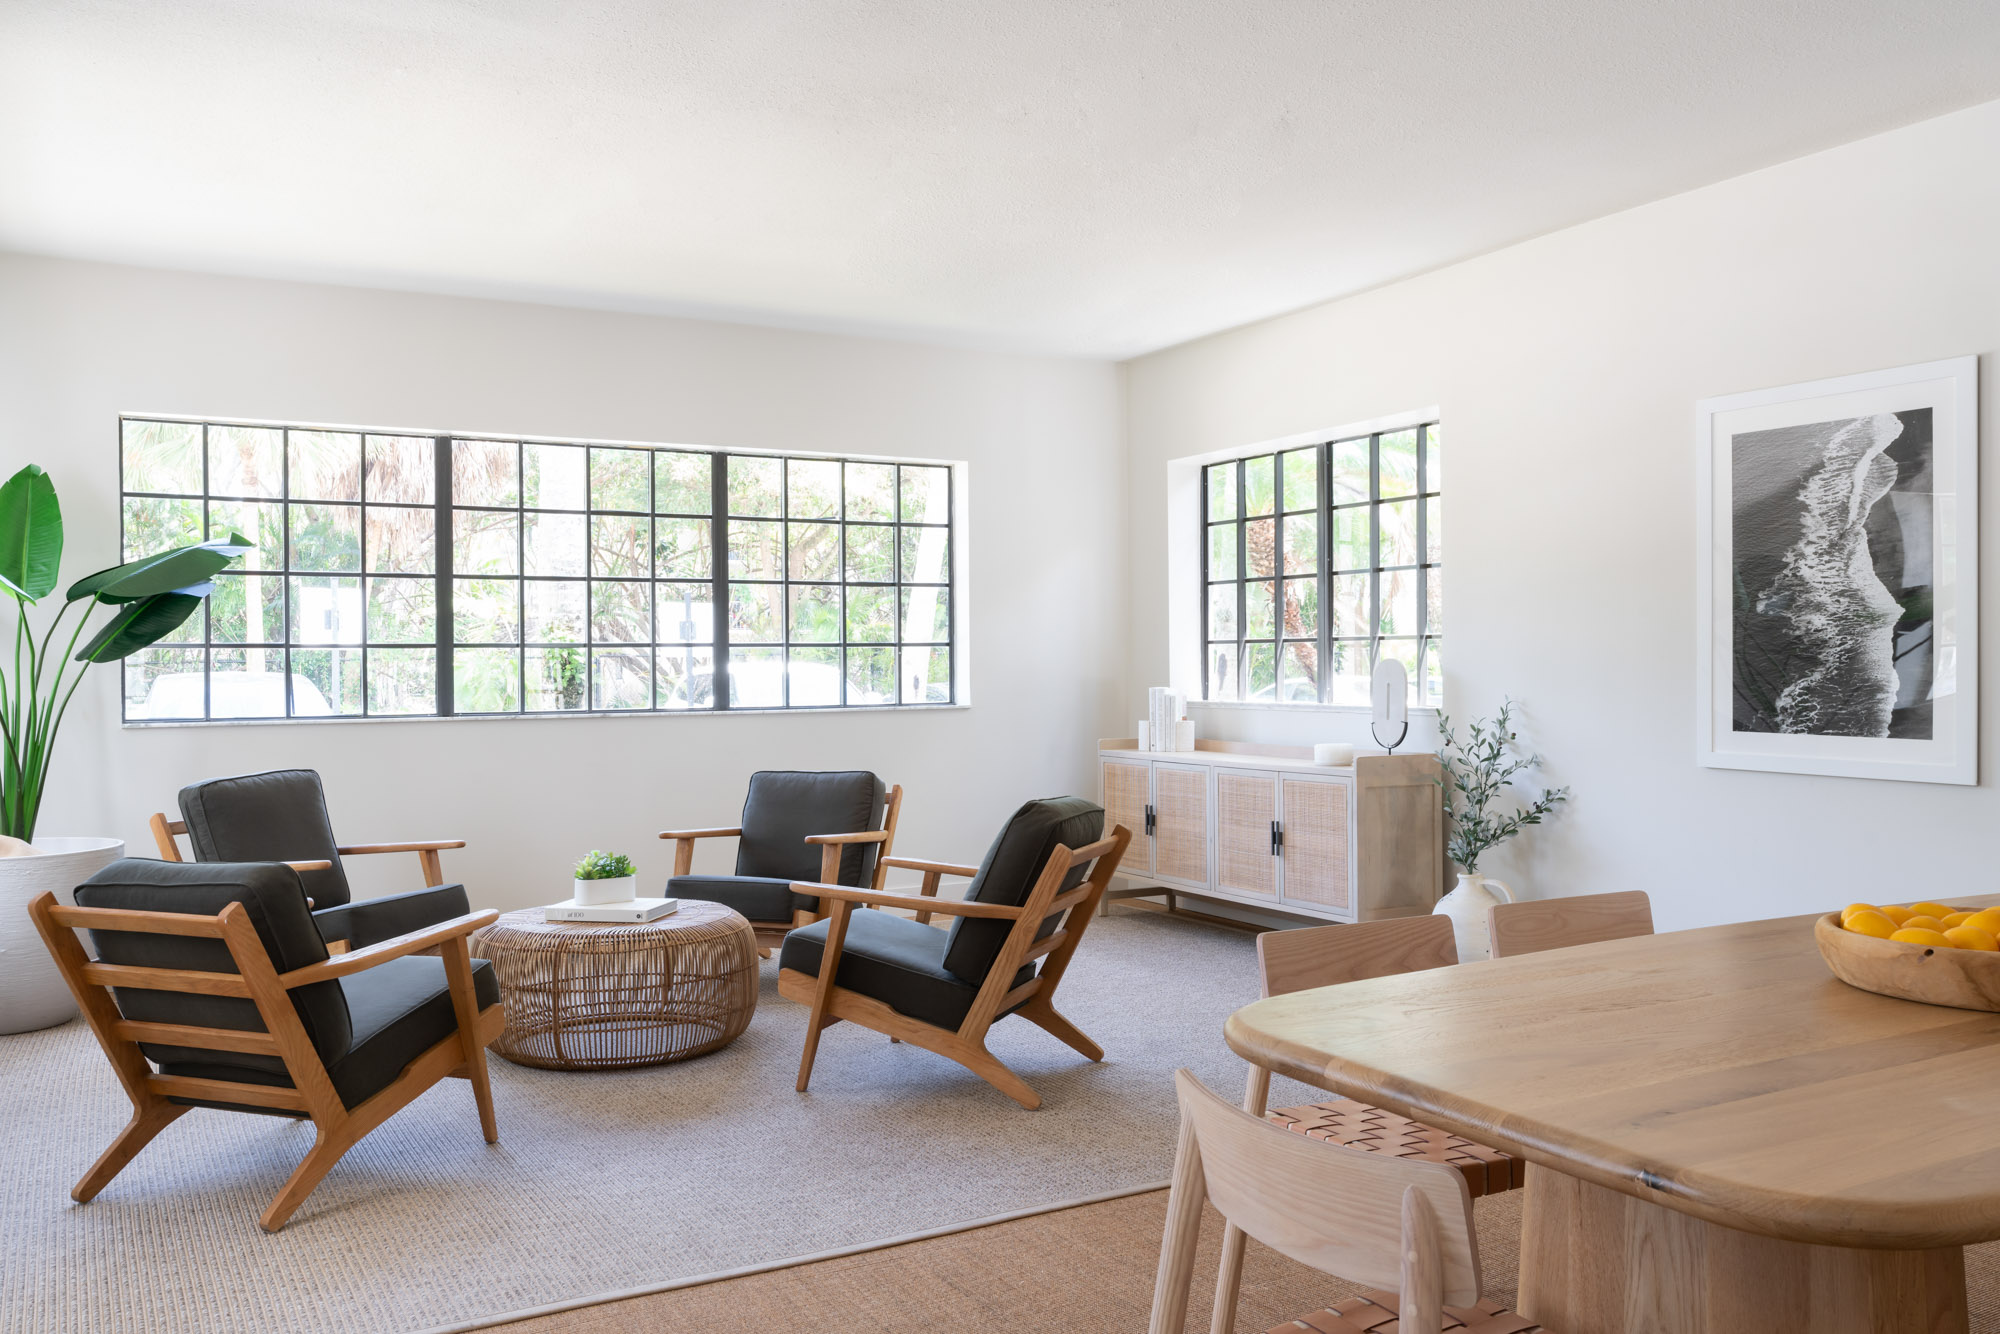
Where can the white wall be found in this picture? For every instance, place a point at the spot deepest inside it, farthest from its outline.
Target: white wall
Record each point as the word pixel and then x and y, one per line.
pixel 1567 369
pixel 79 343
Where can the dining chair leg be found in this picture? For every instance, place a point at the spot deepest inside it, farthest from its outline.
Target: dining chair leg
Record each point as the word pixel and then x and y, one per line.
pixel 1229 1278
pixel 1177 1248
pixel 1421 1309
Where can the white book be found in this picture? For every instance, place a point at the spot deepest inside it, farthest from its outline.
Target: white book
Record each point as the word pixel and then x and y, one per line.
pixel 631 910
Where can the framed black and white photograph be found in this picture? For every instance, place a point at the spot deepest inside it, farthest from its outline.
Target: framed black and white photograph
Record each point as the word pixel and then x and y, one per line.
pixel 1838 564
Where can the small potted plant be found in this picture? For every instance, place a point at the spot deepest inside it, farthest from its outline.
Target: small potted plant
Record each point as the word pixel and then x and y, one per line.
pixel 605 877
pixel 1476 775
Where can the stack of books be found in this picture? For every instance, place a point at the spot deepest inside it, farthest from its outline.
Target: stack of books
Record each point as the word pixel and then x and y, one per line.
pixel 631 910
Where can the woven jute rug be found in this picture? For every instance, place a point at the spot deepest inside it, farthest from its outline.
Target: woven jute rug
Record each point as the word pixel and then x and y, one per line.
pixel 1085 1269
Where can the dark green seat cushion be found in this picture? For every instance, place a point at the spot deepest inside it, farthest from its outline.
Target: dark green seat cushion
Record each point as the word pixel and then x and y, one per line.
pixel 895 960
pixel 756 897
pixel 399 1009
pixel 1008 875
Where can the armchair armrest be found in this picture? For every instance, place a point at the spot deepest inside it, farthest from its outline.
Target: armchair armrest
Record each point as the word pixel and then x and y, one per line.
pixel 684 844
pixel 834 846
pixel 426 850
pixel 932 871
pixel 935 868
pixel 343 965
pixel 876 898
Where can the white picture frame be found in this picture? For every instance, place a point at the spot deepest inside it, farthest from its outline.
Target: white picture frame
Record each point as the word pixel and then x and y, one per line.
pixel 1808 661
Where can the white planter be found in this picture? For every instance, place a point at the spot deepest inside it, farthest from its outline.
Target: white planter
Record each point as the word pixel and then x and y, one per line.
pixel 1466 907
pixel 621 890
pixel 32 994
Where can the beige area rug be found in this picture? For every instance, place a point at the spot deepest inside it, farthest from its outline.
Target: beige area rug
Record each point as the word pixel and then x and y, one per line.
pixel 602 1182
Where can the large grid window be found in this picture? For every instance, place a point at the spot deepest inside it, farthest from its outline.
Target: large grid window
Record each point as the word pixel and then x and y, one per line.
pixel 402 574
pixel 1319 560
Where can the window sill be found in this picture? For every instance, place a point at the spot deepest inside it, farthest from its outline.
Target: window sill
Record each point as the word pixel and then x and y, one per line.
pixel 140 725
pixel 1260 706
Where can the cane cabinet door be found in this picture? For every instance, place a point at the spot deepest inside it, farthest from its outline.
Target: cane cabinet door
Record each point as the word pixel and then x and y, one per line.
pixel 1246 842
pixel 1180 823
pixel 1314 844
pixel 1128 801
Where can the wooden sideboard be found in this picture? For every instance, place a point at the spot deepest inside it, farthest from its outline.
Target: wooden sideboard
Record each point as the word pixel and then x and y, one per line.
pixel 1265 826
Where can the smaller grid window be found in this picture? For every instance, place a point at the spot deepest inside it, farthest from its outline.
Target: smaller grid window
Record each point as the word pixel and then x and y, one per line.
pixel 1316 562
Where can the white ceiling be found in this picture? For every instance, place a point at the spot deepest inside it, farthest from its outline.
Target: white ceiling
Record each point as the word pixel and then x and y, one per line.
pixel 1098 177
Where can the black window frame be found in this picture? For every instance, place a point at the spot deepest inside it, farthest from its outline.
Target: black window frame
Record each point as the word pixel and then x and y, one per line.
pixel 444 505
pixel 1427 572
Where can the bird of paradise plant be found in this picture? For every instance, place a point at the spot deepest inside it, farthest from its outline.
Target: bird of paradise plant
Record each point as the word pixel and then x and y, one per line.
pixel 149 599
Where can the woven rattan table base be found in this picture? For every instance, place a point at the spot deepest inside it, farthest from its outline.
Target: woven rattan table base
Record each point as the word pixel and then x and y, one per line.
pixel 1359 1126
pixel 612 997
pixel 1375 1313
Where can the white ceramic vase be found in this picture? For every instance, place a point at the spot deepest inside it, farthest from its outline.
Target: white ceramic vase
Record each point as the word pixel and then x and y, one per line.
pixel 32 994
pixel 589 893
pixel 1466 907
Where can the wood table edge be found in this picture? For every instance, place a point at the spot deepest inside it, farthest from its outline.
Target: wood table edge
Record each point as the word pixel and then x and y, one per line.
pixel 1712 1199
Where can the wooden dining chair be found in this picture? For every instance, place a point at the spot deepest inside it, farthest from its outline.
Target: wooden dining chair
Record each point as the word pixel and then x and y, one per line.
pixel 1533 925
pixel 1400 1226
pixel 217 975
pixel 1325 956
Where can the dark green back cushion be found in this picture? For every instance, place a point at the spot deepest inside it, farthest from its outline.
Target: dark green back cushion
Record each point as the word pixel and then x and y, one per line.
pixel 278 816
pixel 276 903
pixel 1008 875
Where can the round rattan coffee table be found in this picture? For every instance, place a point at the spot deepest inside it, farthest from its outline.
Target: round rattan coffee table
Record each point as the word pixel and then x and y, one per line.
pixel 612 997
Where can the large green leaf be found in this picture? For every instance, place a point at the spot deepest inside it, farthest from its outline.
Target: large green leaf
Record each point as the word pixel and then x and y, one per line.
pixel 163 573
pixel 143 623
pixel 31 536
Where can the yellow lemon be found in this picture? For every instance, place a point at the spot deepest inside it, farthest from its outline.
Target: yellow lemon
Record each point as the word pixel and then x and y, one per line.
pixel 1871 923
pixel 1922 922
pixel 1959 918
pixel 1971 938
pixel 1920 936
pixel 1896 913
pixel 1854 908
pixel 1986 919
pixel 1928 909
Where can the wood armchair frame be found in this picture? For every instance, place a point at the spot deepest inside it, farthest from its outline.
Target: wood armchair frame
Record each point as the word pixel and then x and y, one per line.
pixel 832 1003
pixel 166 831
pixel 339 1128
pixel 831 848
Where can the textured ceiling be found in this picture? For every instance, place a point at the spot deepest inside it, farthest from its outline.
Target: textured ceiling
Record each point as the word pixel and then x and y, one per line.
pixel 1052 175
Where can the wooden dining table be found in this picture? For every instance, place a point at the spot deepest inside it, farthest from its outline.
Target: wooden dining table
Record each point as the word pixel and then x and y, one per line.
pixel 1721 1137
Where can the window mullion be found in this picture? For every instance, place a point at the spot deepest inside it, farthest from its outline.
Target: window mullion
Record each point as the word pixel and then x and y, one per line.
pixel 1374 550
pixel 1323 505
pixel 718 570
pixel 441 470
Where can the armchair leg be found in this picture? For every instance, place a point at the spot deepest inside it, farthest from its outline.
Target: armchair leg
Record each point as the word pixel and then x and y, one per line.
pixel 312 1169
pixel 465 1005
pixel 990 1068
pixel 1044 1015
pixel 829 969
pixel 148 1120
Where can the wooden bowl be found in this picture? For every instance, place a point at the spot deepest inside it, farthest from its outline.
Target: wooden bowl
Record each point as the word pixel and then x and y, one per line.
pixel 1963 979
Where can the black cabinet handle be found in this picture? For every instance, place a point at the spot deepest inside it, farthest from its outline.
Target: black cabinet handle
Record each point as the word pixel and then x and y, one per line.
pixel 1277 839
pixel 1150 819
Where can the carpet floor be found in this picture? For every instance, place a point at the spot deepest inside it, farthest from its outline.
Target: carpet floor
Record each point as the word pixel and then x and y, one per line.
pixel 1087 1270
pixel 602 1182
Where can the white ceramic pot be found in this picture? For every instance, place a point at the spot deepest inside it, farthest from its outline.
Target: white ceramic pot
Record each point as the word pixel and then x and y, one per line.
pixel 1466 907
pixel 622 889
pixel 32 994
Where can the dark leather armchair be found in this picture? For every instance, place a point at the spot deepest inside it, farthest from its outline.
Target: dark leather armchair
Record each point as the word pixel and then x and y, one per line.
pixel 798 828
pixel 216 974
pixel 1030 900
pixel 281 816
